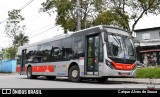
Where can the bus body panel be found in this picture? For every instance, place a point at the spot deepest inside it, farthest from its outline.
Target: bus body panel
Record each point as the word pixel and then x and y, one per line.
pixel 55 68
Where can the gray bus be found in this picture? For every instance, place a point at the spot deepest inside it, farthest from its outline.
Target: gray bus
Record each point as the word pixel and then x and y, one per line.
pixel 98 52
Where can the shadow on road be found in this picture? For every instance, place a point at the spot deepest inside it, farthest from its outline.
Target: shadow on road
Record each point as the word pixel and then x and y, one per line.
pixel 89 81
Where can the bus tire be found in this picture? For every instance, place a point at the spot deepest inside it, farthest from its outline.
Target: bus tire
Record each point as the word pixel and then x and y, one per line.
pixel 102 80
pixel 29 73
pixel 74 74
pixel 51 77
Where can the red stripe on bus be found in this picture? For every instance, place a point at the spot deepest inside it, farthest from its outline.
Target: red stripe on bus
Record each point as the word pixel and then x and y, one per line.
pixel 17 68
pixel 121 66
pixel 51 68
pixel 25 68
pixel 48 68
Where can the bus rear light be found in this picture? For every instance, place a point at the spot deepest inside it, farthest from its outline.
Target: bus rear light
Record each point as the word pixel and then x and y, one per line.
pixel 121 66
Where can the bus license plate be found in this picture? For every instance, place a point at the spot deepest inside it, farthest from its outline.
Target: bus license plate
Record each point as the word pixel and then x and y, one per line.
pixel 124 74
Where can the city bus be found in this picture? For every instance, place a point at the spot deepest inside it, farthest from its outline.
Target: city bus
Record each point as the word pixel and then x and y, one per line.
pixel 99 53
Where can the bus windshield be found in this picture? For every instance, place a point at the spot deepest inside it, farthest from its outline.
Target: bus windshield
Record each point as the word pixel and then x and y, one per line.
pixel 120 48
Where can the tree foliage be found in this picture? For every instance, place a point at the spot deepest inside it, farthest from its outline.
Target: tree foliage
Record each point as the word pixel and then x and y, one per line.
pixel 20 40
pixel 10 53
pixel 112 18
pixel 143 7
pixel 15 31
pixel 67 12
pixel 134 9
pixel 13 27
pixel 95 12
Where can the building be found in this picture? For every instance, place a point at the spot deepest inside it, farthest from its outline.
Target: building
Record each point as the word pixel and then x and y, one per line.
pixel 148 47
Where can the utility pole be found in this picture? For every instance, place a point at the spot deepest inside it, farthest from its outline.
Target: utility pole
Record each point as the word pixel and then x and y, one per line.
pixel 78 16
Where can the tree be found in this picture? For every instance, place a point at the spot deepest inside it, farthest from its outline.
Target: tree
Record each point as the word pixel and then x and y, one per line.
pixel 133 10
pixel 112 18
pixel 10 53
pixel 12 27
pixel 20 40
pixel 143 7
pixel 15 31
pixel 95 12
pixel 67 12
pixel 118 14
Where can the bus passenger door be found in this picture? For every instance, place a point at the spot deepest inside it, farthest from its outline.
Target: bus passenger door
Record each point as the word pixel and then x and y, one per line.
pixel 92 55
pixel 22 62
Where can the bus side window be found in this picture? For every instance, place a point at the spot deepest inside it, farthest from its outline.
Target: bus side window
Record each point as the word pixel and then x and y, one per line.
pixel 57 52
pixel 67 49
pixel 77 46
pixel 39 53
pixel 47 52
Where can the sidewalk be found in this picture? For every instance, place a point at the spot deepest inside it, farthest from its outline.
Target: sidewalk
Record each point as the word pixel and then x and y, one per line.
pixel 1 74
pixel 136 80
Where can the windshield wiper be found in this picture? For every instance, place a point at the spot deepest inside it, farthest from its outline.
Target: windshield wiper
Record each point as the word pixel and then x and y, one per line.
pixel 116 39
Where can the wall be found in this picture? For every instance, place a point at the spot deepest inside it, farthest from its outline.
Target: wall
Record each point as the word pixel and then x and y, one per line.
pixel 154 34
pixel 8 66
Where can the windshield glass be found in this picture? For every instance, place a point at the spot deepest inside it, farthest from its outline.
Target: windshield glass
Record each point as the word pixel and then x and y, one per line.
pixel 120 47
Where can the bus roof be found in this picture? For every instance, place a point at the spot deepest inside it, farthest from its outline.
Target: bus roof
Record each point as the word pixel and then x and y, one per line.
pixel 54 38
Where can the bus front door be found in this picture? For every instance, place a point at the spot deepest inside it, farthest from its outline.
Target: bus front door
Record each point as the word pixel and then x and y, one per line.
pixel 92 55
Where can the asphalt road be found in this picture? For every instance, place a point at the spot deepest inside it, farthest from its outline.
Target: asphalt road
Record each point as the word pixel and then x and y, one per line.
pixel 20 81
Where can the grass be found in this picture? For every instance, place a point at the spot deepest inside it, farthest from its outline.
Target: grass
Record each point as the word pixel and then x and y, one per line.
pixel 148 72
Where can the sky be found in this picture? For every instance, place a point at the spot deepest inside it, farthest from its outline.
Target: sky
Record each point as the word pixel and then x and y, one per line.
pixel 37 22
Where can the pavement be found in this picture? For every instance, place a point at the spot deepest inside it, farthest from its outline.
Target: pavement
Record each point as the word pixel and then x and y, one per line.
pixel 132 80
pixel 137 80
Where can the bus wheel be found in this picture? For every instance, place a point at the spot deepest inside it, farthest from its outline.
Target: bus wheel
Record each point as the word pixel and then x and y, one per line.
pixel 74 74
pixel 29 73
pixel 51 77
pixel 102 80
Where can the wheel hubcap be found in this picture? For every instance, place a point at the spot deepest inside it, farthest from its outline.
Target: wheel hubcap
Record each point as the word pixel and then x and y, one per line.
pixel 74 73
